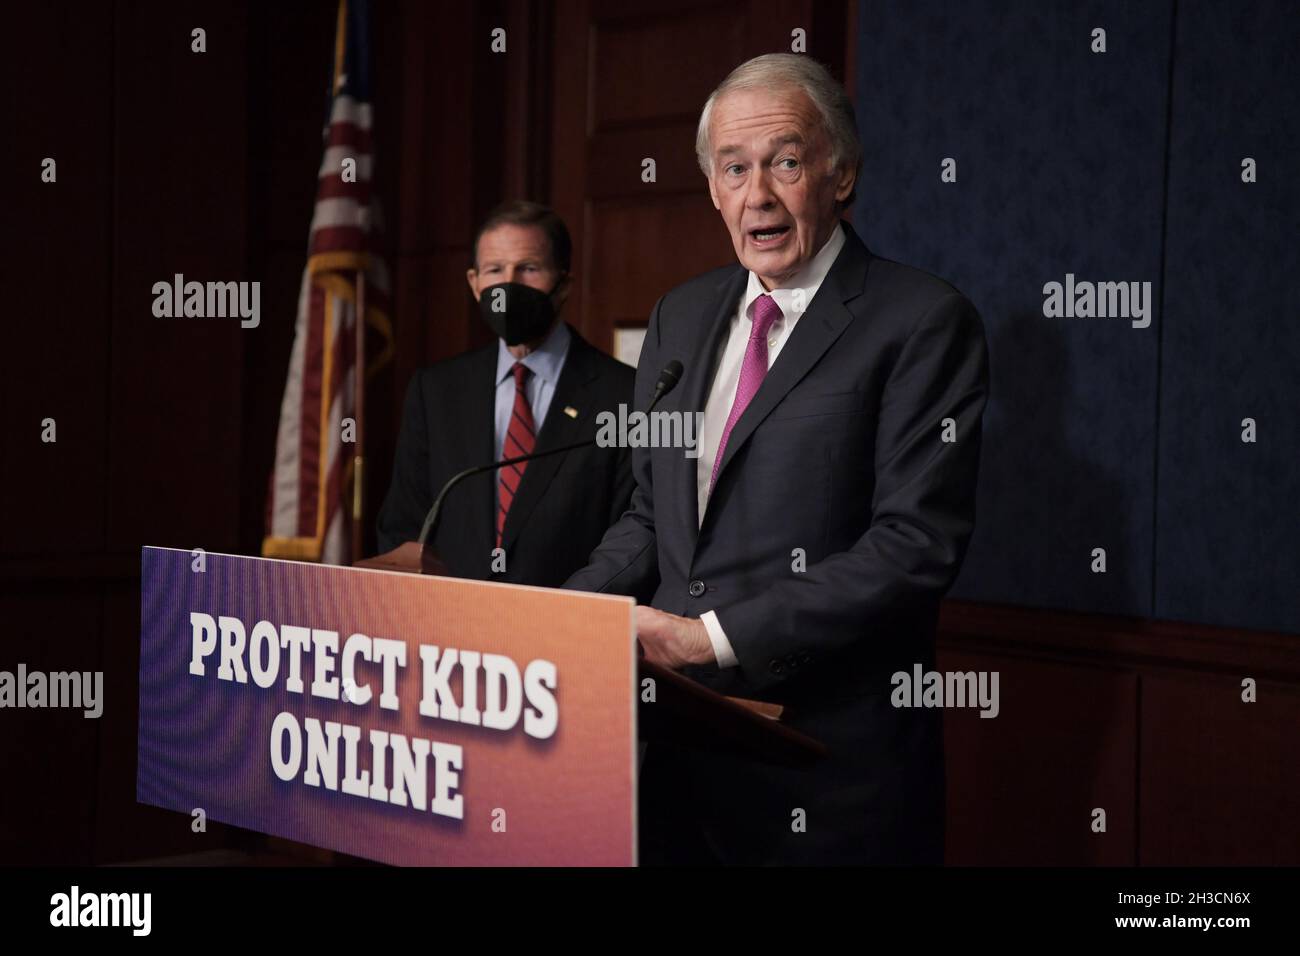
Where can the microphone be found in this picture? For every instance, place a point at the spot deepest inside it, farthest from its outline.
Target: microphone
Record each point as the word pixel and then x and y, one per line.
pixel 667 381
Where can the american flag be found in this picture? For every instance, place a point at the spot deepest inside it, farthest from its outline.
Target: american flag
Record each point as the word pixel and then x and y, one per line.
pixel 310 507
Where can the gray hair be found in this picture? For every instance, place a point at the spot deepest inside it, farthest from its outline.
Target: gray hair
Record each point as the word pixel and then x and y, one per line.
pixel 786 71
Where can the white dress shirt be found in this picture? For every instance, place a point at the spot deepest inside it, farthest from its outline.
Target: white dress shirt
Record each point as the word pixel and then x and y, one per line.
pixel 722 394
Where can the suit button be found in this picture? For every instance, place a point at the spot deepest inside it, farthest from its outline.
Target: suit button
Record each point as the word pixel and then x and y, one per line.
pixel 696 588
pixel 776 667
pixel 804 657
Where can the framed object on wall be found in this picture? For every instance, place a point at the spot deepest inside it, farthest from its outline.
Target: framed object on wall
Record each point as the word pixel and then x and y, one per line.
pixel 627 342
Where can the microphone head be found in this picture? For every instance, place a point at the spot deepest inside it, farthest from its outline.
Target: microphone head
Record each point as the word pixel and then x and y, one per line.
pixel 669 377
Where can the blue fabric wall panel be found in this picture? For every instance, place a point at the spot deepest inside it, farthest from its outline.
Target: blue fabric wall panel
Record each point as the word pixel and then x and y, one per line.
pixel 1228 513
pixel 1060 169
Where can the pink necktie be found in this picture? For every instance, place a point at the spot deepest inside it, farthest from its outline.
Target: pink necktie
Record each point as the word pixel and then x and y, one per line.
pixel 752 370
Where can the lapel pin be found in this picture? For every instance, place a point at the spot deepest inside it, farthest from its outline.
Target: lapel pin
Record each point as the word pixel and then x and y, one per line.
pixel 570 411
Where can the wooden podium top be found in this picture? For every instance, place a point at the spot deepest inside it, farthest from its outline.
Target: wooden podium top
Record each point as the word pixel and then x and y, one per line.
pixel 688 713
pixel 684 712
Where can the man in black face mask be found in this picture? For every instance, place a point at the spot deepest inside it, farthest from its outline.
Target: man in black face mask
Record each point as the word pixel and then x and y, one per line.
pixel 538 386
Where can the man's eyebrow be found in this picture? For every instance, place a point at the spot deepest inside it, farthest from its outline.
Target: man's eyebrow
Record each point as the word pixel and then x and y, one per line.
pixel 521 261
pixel 782 140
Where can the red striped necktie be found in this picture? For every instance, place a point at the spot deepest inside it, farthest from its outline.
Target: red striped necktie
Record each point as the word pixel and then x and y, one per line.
pixel 520 438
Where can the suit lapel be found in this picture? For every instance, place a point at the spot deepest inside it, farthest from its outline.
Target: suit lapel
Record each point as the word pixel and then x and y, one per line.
pixel 478 445
pixel 571 391
pixel 700 358
pixel 814 333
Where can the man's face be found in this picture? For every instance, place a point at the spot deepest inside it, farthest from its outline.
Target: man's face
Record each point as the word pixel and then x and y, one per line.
pixel 772 179
pixel 520 254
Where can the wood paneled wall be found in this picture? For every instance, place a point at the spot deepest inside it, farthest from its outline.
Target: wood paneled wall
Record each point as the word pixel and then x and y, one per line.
pixel 630 79
pixel 1143 719
pixel 205 164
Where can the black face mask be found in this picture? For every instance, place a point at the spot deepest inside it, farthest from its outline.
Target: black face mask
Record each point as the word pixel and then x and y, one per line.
pixel 516 312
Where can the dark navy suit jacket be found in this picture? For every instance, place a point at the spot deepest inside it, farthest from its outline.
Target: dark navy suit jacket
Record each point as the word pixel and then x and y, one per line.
pixel 565 502
pixel 839 519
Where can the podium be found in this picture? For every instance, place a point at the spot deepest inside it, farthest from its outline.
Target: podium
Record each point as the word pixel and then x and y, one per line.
pixel 685 713
pixel 411 719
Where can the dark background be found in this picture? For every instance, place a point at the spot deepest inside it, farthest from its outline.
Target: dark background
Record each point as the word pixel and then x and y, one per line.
pixel 1119 691
pixel 1117 166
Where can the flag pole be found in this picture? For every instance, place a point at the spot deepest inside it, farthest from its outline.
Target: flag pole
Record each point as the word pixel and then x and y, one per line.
pixel 358 499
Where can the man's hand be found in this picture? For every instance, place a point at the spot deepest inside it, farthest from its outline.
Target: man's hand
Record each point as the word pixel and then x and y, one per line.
pixel 671 640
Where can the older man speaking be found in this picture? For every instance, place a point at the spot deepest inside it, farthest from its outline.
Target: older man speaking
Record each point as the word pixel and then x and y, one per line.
pixel 800 559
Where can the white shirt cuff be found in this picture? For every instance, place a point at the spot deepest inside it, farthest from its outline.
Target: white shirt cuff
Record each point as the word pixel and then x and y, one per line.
pixel 721 646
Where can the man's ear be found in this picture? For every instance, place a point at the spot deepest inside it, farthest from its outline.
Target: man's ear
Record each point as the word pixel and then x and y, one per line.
pixel 713 194
pixel 562 289
pixel 848 179
pixel 471 276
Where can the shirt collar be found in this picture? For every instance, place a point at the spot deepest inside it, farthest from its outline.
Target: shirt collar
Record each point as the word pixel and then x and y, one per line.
pixel 544 362
pixel 809 279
